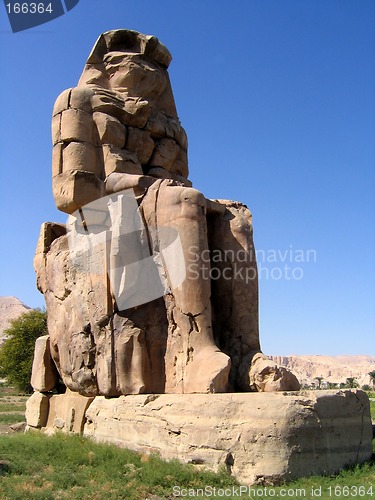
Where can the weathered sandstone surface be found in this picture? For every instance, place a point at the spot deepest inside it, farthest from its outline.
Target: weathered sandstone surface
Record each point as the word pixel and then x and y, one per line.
pixel 260 437
pixel 150 287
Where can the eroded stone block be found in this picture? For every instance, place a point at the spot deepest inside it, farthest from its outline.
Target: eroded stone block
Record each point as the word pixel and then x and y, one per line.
pixel 110 130
pixel 76 188
pixel 77 125
pixel 67 412
pixel 56 129
pixel 37 407
pixel 180 166
pixel 81 156
pixel 266 376
pixel 81 98
pixel 165 154
pixel 49 231
pixel 140 143
pixel 57 164
pixel 62 102
pixel 269 437
pixel 120 160
pixel 44 375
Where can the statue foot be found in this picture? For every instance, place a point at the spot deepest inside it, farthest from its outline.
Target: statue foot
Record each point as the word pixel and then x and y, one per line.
pixel 207 372
pixel 266 376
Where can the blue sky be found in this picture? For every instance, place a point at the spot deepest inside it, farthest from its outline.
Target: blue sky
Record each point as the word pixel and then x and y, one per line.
pixel 277 98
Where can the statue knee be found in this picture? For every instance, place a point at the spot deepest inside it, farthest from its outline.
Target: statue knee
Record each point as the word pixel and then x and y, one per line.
pixel 191 197
pixel 185 202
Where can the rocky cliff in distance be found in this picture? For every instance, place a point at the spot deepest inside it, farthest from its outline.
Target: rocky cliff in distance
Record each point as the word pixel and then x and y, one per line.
pixel 10 308
pixel 333 369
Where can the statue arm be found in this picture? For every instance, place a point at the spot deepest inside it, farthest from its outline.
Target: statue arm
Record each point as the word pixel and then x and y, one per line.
pixel 77 166
pixel 96 153
pixel 89 158
pixel 116 182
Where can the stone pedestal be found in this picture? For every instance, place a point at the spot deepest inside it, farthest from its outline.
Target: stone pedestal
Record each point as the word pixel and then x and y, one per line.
pixel 259 437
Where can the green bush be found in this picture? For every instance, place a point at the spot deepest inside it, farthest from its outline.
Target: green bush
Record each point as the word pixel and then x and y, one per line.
pixel 16 354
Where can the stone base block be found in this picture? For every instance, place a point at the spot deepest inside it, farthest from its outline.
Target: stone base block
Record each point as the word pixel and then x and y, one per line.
pixel 44 375
pixel 67 412
pixel 37 409
pixel 260 437
pixel 51 412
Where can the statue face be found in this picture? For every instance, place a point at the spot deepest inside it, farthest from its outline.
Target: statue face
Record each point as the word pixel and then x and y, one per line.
pixel 134 76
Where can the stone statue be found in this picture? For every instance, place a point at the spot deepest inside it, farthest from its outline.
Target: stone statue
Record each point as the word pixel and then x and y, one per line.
pixel 164 298
pixel 151 288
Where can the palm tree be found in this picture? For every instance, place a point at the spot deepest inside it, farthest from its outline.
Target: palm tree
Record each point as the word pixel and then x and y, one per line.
pixel 319 379
pixel 372 378
pixel 351 383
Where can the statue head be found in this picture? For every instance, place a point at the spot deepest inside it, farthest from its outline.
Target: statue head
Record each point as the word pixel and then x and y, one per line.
pixel 133 65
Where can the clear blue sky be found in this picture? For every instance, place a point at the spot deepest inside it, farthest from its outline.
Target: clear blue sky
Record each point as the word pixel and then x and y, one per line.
pixel 277 98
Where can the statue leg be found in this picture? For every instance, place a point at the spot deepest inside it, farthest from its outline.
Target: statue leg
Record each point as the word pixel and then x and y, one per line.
pixel 234 288
pixel 235 302
pixel 194 362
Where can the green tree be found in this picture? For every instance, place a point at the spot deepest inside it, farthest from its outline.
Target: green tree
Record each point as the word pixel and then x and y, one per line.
pixel 16 354
pixel 332 385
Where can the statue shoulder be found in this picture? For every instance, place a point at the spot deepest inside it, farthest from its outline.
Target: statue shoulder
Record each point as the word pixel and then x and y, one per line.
pixel 75 98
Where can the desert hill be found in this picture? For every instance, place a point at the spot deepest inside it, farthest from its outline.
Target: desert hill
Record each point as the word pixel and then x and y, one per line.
pixel 333 369
pixel 10 308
